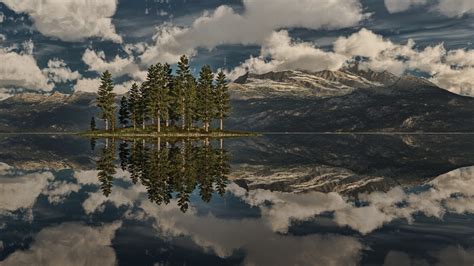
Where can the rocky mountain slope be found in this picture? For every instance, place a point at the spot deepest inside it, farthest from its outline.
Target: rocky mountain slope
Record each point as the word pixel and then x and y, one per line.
pixel 303 84
pixel 347 100
pixel 294 101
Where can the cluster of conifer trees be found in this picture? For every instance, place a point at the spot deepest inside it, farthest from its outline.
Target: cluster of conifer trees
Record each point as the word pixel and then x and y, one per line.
pixel 165 99
pixel 168 169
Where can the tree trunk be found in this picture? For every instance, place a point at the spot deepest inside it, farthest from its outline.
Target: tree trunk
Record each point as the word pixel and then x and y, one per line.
pixel 134 125
pixel 143 124
pixel 221 142
pixel 183 116
pixel 221 126
pixel 183 121
pixel 106 124
pixel 183 154
pixel 158 124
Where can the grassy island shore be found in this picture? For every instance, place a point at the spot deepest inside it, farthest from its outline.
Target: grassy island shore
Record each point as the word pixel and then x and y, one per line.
pixel 167 133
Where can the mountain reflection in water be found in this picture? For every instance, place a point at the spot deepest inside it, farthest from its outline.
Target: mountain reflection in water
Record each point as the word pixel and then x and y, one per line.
pixel 274 200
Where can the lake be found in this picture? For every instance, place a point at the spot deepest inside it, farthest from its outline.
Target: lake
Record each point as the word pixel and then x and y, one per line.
pixel 283 199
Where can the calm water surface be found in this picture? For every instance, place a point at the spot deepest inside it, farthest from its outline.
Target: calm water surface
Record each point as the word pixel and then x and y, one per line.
pixel 272 200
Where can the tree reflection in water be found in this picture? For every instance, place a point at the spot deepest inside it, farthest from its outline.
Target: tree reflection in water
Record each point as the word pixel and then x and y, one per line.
pixel 168 169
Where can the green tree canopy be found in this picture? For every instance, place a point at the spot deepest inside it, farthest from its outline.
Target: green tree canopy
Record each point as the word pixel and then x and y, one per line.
pixel 205 101
pixel 221 98
pixel 106 100
pixel 124 114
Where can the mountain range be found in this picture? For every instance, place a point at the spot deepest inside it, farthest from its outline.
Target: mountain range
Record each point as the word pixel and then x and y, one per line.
pixel 348 100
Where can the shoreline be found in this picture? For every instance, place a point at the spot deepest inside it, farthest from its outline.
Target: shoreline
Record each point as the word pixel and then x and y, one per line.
pixel 220 134
pixel 236 133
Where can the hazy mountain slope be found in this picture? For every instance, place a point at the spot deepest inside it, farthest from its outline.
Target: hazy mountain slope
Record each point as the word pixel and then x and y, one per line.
pixel 56 112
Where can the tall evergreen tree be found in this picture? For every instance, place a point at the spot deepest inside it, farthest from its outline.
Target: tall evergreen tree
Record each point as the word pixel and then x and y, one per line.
pixel 221 99
pixel 124 114
pixel 144 103
pixel 181 82
pixel 106 100
pixel 152 91
pixel 134 105
pixel 205 99
pixel 169 84
pixel 190 111
pixel 159 93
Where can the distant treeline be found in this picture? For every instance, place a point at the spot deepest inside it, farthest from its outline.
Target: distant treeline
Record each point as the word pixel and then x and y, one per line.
pixel 165 99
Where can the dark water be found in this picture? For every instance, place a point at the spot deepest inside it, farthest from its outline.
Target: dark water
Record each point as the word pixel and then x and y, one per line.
pixel 272 200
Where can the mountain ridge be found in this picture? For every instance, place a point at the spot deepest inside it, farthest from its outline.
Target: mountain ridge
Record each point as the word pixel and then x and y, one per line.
pixel 326 83
pixel 348 100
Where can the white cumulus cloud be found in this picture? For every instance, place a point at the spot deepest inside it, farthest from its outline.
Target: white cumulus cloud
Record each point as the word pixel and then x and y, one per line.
pixel 92 85
pixel 286 54
pixel 70 20
pixel 256 23
pixel 59 72
pixel 69 244
pixel 394 6
pixel 449 8
pixel 20 70
pixel 119 66
pixel 87 85
pixel 455 8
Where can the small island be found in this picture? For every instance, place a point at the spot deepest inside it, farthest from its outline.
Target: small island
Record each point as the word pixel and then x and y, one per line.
pixel 166 105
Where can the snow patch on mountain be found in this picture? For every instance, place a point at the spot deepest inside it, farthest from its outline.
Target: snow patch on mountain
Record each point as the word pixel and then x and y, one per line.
pixel 320 84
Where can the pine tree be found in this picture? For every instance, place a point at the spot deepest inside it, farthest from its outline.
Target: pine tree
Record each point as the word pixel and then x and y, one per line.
pixel 182 85
pixel 221 98
pixel 134 105
pixel 106 100
pixel 205 99
pixel 159 101
pixel 169 84
pixel 190 111
pixel 152 91
pixel 144 103
pixel 124 114
pixel 163 99
pixel 93 125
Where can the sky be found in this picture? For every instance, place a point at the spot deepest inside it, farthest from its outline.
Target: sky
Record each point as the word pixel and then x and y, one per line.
pixel 64 45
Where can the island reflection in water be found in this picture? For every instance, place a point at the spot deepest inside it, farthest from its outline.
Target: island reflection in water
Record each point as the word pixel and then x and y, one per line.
pixel 274 200
pixel 167 169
